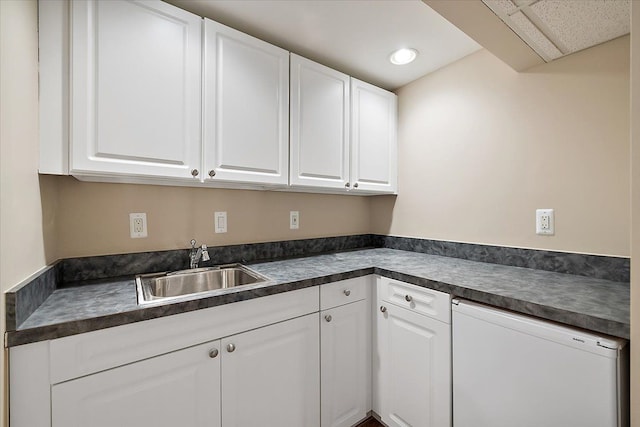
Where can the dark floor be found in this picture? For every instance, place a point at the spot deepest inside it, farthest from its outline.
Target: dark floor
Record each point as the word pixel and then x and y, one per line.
pixel 371 422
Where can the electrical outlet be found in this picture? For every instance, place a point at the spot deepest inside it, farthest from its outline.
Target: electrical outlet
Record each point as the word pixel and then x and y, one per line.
pixel 137 225
pixel 294 220
pixel 220 219
pixel 545 224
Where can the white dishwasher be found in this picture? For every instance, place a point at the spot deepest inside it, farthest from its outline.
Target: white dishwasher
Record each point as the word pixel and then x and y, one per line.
pixel 513 370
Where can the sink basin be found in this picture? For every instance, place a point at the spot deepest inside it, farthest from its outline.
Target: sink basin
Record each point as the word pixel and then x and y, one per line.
pixel 163 287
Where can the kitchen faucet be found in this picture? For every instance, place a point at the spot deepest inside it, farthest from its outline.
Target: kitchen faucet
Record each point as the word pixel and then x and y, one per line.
pixel 196 253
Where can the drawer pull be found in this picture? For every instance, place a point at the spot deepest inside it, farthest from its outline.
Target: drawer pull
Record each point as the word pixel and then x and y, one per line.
pixel 347 292
pixel 408 298
pixel 383 309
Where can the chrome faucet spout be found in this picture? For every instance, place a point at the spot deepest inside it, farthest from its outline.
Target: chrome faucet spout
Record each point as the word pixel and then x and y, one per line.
pixel 197 253
pixel 195 258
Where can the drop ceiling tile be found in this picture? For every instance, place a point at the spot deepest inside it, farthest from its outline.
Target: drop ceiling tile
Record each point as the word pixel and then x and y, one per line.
pixel 521 3
pixel 534 37
pixel 579 24
pixel 501 7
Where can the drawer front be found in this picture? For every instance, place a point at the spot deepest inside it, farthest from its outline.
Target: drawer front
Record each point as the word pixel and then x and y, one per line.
pixel 421 300
pixel 344 292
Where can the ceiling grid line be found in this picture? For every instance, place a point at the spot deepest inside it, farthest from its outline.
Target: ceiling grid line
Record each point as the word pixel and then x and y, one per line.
pixel 544 29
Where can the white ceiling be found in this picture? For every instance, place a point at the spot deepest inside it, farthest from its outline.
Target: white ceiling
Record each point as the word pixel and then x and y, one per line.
pixel 352 36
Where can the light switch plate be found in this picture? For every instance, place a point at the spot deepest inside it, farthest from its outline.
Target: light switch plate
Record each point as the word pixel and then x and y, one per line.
pixel 294 220
pixel 220 222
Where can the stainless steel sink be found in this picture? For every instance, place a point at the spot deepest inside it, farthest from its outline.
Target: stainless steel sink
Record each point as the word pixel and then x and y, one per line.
pixel 164 287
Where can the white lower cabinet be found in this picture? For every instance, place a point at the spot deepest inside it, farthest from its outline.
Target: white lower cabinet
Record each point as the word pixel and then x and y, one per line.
pixel 313 357
pixel 173 370
pixel 176 389
pixel 345 364
pixel 267 376
pixel 270 376
pixel 412 360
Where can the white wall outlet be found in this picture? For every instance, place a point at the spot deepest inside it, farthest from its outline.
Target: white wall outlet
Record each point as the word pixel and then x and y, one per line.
pixel 137 225
pixel 545 224
pixel 220 222
pixel 294 220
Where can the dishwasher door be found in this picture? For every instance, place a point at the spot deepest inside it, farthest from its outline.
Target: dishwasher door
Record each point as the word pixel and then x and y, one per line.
pixel 512 370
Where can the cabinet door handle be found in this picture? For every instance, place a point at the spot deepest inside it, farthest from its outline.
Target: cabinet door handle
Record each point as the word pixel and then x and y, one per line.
pixel 355 185
pixel 347 185
pixel 347 292
pixel 212 173
pixel 231 348
pixel 213 353
pixel 409 298
pixel 328 318
pixel 383 309
pixel 194 173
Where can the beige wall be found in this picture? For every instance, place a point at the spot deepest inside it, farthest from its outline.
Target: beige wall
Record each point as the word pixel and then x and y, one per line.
pixel 481 147
pixel 21 232
pixel 93 218
pixel 635 218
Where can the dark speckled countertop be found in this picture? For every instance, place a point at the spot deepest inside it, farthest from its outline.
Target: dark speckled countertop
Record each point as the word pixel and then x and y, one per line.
pixel 595 304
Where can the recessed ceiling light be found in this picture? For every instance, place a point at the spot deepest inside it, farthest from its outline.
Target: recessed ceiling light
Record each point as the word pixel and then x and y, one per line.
pixel 403 56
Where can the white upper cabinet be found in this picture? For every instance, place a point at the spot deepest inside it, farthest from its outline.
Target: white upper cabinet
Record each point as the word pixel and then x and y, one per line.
pixel 145 92
pixel 319 125
pixel 373 138
pixel 136 89
pixel 343 131
pixel 246 108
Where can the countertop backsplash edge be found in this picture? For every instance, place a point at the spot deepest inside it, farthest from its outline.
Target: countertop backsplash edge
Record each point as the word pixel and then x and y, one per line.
pixel 23 299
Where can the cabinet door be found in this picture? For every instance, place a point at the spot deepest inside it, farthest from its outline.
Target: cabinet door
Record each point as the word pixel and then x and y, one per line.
pixel 413 359
pixel 271 375
pixel 136 89
pixel 177 389
pixel 373 138
pixel 345 364
pixel 246 108
pixel 319 125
